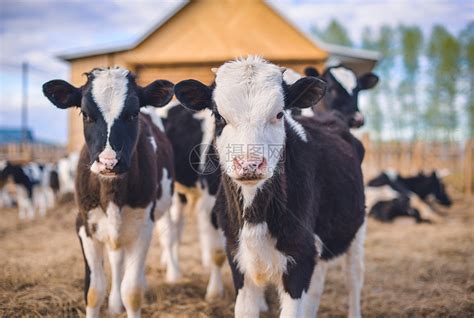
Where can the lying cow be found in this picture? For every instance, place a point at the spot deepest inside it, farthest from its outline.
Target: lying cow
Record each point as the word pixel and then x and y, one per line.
pixel 124 181
pixel 291 196
pixel 390 195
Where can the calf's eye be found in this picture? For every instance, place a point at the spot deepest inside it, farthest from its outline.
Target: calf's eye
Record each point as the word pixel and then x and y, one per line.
pixel 86 117
pixel 280 115
pixel 131 117
pixel 219 118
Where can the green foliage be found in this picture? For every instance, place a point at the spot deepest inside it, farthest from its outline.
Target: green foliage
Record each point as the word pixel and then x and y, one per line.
pixel 334 33
pixel 408 108
pixel 466 38
pixel 411 46
pixel 443 52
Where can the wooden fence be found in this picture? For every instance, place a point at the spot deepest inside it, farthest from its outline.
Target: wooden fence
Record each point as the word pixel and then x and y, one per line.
pixel 22 153
pixel 409 158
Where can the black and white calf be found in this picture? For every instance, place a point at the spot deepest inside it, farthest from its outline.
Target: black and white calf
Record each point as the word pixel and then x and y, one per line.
pixel 34 192
pixel 291 195
pixel 196 184
pixel 67 169
pixel 124 180
pixel 390 195
pixel 343 87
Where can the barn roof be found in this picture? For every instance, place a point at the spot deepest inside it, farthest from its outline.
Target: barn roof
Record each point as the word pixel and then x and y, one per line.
pixel 341 53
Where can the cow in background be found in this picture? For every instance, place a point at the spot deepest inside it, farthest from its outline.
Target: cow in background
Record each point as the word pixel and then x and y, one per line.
pixel 67 169
pixel 390 195
pixel 32 190
pixel 343 92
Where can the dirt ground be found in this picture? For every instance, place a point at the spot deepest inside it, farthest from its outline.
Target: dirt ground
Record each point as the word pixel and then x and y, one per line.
pixel 411 271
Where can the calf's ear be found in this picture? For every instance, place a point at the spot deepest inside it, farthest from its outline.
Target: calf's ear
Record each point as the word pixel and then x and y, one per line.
pixel 62 94
pixel 311 71
pixel 193 94
pixel 157 94
pixel 367 81
pixel 305 92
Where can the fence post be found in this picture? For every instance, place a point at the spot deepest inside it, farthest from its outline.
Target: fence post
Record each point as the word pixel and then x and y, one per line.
pixel 468 166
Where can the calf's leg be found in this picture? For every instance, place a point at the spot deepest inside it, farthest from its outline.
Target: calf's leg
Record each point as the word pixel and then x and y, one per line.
pixel 95 286
pixel 355 271
pixel 315 291
pixel 168 236
pixel 134 282
pixel 116 259
pixel 295 284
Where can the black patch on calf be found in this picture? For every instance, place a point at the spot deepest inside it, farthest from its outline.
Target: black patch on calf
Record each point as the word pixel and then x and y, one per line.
pixel 87 270
pixel 54 181
pixel 185 134
pixel 182 198
pixel 19 177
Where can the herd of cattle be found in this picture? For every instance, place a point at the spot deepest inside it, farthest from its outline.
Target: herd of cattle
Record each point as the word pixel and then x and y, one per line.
pixel 265 159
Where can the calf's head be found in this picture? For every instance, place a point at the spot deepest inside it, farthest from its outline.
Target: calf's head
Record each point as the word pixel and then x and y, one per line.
pixel 110 103
pixel 437 188
pixel 248 100
pixel 343 91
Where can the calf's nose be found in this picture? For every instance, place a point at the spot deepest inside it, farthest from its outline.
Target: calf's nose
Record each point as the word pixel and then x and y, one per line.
pixel 253 167
pixel 358 119
pixel 108 158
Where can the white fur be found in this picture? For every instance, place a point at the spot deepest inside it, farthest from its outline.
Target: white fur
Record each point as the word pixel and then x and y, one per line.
pixel 155 118
pixel 376 194
pixel 207 127
pixel 296 126
pixel 391 174
pixel 290 76
pixel 25 204
pixel 164 203
pixel 67 172
pixel 248 194
pixel 168 238
pixel 153 143
pixel 345 77
pixel 163 111
pixel 307 112
pixel 257 256
pixel 249 95
pixel 315 291
pixel 355 271
pixel 167 229
pixel 249 300
pixel 291 307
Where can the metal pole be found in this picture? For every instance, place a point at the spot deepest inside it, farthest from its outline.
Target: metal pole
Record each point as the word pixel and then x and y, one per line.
pixel 24 102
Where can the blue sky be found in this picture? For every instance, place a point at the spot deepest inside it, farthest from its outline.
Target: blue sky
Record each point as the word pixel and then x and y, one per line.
pixel 37 30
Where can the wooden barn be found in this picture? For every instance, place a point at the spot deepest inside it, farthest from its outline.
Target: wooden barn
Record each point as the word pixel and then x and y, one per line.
pixel 202 34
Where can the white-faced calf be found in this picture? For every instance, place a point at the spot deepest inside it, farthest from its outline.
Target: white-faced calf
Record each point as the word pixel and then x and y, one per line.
pixel 124 180
pixel 291 195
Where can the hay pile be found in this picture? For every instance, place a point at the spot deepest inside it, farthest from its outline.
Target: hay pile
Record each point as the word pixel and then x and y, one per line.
pixel 411 270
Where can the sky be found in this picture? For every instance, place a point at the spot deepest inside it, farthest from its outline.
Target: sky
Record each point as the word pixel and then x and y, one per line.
pixel 37 31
